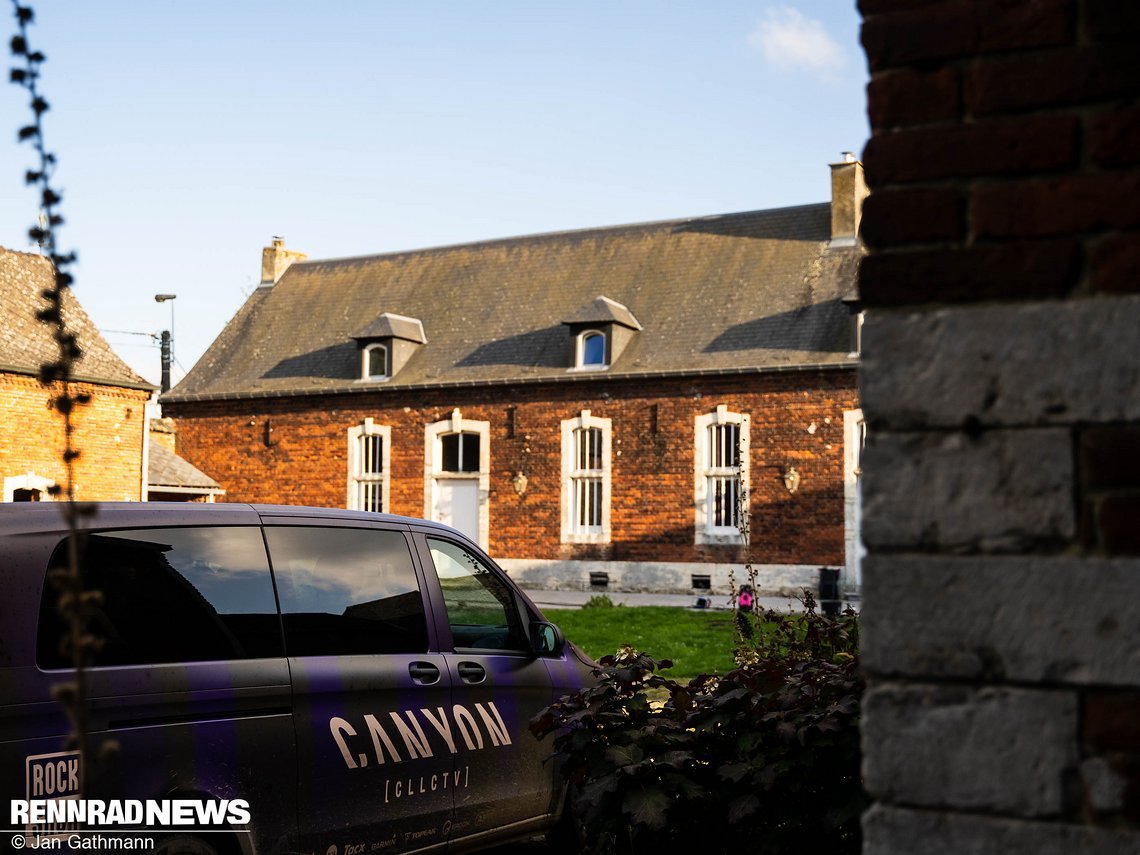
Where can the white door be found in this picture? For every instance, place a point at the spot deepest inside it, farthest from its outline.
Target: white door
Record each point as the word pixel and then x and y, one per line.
pixel 457 504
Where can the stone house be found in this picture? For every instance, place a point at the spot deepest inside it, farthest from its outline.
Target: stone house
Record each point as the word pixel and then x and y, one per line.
pixel 111 430
pixel 592 407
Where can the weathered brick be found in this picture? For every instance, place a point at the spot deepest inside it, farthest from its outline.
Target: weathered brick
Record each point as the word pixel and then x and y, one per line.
pixel 1051 78
pixel 895 831
pixel 109 435
pixel 914 33
pixel 652 516
pixel 877 7
pixel 997 749
pixel 1113 136
pixel 1109 457
pixel 1000 491
pixel 1110 721
pixel 932 32
pixel 1116 264
pixel 1003 365
pixel 1027 270
pixel 1056 206
pixel 995 147
pixel 1008 25
pixel 998 619
pixel 1111 20
pixel 910 97
pixel 913 215
pixel 1118 524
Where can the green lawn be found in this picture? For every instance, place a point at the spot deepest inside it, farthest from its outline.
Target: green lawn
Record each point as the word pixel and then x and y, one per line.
pixel 698 642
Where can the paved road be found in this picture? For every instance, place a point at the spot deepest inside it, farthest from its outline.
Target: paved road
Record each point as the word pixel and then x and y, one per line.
pixel 575 599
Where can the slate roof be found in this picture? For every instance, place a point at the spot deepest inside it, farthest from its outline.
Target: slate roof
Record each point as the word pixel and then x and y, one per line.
pixel 389 325
pixel 26 343
pixel 753 291
pixel 167 469
pixel 604 310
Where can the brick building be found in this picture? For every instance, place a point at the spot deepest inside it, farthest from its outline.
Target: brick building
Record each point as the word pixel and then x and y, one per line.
pixel 574 401
pixel 111 431
pixel 1000 635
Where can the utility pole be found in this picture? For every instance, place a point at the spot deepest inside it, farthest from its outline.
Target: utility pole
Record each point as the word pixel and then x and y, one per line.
pixel 166 359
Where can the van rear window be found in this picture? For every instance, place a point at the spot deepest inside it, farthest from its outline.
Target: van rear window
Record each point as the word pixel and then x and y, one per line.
pixel 170 595
pixel 347 591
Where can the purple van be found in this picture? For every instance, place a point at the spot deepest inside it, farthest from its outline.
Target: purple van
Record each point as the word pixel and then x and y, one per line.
pixel 362 681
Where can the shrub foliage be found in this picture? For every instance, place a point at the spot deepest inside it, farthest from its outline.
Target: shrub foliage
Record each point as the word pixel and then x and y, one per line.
pixel 765 757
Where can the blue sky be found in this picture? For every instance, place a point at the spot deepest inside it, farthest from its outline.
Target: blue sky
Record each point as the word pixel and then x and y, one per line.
pixel 188 133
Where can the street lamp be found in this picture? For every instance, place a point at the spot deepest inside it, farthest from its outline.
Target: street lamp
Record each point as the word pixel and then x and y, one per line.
pixel 167 340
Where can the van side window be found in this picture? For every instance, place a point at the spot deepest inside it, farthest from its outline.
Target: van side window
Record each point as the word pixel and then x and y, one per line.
pixel 480 607
pixel 347 591
pixel 170 595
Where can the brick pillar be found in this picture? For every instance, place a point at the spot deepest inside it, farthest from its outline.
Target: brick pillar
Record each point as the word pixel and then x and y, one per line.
pixel 1001 387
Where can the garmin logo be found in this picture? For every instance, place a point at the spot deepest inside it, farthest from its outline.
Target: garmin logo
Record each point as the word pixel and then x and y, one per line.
pixel 404 736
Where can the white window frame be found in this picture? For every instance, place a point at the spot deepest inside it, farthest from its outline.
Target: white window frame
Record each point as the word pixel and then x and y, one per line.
pixel 357 478
pixel 433 466
pixel 705 530
pixel 580 351
pixel 28 481
pixel 854 441
pixel 365 355
pixel 571 476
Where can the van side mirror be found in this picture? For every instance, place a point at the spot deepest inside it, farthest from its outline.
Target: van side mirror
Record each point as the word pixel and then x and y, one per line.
pixel 546 639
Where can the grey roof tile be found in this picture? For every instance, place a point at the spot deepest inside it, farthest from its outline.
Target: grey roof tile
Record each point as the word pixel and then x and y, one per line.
pixel 167 469
pixel 26 343
pixel 751 291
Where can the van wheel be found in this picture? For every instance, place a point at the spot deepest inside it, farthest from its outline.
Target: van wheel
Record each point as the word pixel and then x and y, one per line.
pixel 184 844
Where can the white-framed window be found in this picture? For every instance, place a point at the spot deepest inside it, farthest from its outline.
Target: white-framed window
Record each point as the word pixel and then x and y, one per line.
pixel 374 362
pixel 720 477
pixel 369 451
pixel 457 475
pixel 586 479
pixel 27 488
pixel 857 333
pixel 591 350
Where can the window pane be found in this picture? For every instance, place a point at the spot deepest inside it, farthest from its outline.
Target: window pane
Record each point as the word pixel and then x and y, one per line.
pixel 346 591
pixel 172 595
pixel 459 452
pixel 449 446
pixel 480 607
pixel 469 457
pixel 378 362
pixel 594 349
pixel 371 455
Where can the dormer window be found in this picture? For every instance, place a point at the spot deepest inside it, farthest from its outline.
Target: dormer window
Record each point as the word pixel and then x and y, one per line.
pixel 375 362
pixel 386 344
pixel 599 332
pixel 592 349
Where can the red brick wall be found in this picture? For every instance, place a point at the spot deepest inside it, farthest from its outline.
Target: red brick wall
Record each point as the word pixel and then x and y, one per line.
pixel 652 514
pixel 109 436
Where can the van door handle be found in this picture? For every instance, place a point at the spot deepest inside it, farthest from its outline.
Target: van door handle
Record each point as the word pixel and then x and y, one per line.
pixel 423 673
pixel 471 672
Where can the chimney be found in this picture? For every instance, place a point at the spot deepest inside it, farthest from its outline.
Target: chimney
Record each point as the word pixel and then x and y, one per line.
pixel 848 190
pixel 275 260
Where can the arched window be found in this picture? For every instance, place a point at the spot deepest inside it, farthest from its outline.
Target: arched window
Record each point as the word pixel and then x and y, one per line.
pixel 375 360
pixel 721 475
pixel 592 349
pixel 369 447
